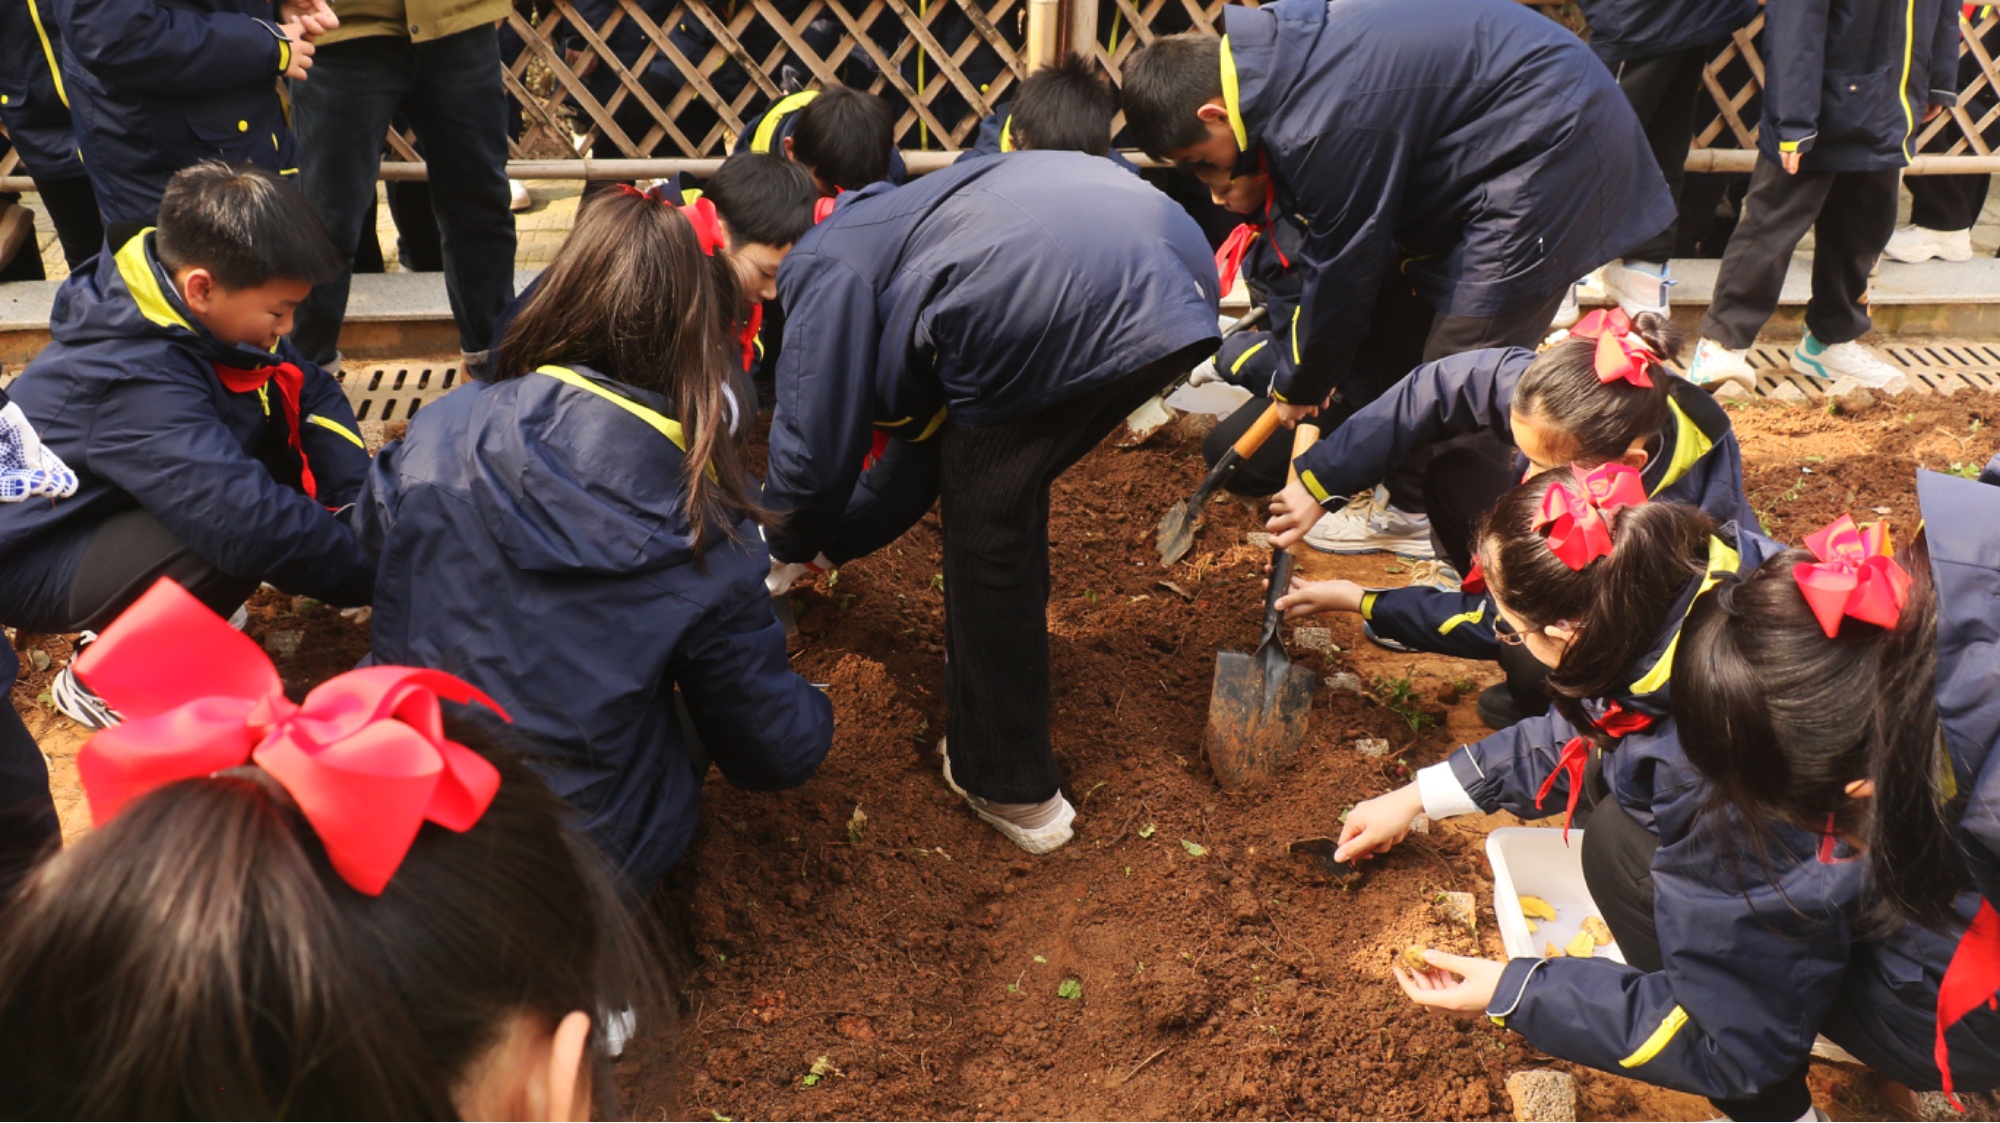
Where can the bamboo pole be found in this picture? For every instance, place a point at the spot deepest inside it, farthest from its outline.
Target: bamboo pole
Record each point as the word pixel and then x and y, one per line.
pixel 1044 32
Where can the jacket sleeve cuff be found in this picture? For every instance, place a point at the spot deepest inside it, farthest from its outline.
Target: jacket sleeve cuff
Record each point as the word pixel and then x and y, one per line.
pixel 1513 987
pixel 1482 789
pixel 1368 605
pixel 1312 483
pixel 1441 792
pixel 1944 99
pixel 1800 145
pixel 284 45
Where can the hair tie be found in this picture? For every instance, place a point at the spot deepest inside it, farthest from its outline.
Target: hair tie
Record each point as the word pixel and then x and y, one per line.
pixel 1578 530
pixel 1621 355
pixel 1855 576
pixel 365 757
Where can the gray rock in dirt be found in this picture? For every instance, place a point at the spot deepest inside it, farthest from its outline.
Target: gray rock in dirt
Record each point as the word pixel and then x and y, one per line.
pixel 1459 909
pixel 1371 746
pixel 1849 395
pixel 38 659
pixel 1258 539
pixel 1420 825
pixel 1314 639
pixel 1344 681
pixel 1933 1106
pixel 1789 392
pixel 1900 385
pixel 1543 1095
pixel 283 645
pixel 1733 390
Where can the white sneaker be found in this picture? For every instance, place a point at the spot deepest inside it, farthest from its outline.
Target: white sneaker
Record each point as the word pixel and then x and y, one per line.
pixel 1714 366
pixel 1844 360
pixel 1369 525
pixel 1434 573
pixel 1920 243
pixel 518 199
pixel 78 703
pixel 1035 827
pixel 1639 286
pixel 1567 312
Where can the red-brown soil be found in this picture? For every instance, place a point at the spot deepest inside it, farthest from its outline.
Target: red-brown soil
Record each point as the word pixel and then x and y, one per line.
pixel 924 966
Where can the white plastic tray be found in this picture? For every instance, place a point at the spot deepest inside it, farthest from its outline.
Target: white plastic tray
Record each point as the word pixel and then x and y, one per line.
pixel 1533 861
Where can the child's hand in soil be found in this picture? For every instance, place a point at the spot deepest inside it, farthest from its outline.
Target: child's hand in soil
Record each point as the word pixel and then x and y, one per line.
pixel 1375 825
pixel 1293 512
pixel 1458 983
pixel 1310 598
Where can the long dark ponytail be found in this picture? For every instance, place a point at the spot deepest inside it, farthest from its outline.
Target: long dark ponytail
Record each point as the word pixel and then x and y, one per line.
pixel 1615 604
pixel 1781 718
pixel 632 295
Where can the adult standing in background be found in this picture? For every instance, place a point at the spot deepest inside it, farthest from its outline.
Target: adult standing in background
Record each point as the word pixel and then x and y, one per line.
pixel 35 108
pixel 154 88
pixel 438 62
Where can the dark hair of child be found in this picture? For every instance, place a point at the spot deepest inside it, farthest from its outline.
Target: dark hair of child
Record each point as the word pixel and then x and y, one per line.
pixel 1781 718
pixel 198 957
pixel 1166 82
pixel 244 224
pixel 845 135
pixel 1615 604
pixel 1065 107
pixel 1561 390
pixel 632 296
pixel 763 198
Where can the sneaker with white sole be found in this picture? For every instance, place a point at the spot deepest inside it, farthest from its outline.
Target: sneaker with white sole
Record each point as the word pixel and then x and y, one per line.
pixel 518 199
pixel 1433 573
pixel 1035 827
pixel 1370 525
pixel 1568 312
pixel 1637 286
pixel 1914 243
pixel 1714 366
pixel 79 703
pixel 1843 360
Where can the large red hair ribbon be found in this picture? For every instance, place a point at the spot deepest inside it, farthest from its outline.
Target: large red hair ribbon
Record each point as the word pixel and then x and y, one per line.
pixel 1854 576
pixel 1578 530
pixel 1621 355
pixel 365 757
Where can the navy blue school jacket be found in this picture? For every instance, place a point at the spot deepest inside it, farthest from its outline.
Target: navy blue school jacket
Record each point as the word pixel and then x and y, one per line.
pixel 996 135
pixel 155 86
pixel 1761 952
pixel 1476 145
pixel 32 97
pixel 768 133
pixel 127 394
pixel 1273 269
pixel 985 292
pixel 1697 461
pixel 1847 82
pixel 534 542
pixel 1960 517
pixel 1634 29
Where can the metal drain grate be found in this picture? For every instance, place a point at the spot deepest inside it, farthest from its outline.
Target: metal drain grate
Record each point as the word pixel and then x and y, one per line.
pixel 395 391
pixel 1939 367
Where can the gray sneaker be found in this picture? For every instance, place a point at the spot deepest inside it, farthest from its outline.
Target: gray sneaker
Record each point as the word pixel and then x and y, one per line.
pixel 1370 525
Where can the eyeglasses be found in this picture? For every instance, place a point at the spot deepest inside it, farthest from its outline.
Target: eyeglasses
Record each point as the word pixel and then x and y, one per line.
pixel 1505 633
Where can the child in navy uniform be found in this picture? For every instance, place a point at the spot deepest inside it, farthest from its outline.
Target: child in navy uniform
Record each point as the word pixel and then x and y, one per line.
pixel 155 87
pixel 845 137
pixel 1065 106
pixel 206 449
pixel 595 488
pixel 1444 216
pixel 1004 314
pixel 34 105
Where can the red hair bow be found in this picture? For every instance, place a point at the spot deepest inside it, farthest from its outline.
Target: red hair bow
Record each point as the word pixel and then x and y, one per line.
pixel 365 757
pixel 1578 531
pixel 1621 355
pixel 1854 576
pixel 707 224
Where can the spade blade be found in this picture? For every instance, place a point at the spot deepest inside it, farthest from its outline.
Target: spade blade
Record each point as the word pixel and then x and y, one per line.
pixel 1257 717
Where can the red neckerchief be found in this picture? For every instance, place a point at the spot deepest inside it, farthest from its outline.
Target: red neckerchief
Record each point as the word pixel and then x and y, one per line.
pixel 1969 983
pixel 1617 721
pixel 291 381
pixel 876 447
pixel 751 327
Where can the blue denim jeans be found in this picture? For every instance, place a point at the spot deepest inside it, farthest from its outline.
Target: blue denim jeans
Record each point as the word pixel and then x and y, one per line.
pixel 449 91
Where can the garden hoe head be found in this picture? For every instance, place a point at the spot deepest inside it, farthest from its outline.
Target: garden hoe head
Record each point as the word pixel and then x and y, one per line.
pixel 1176 531
pixel 1258 707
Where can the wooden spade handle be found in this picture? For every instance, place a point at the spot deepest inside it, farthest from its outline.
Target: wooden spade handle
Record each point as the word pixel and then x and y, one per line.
pixel 1260 431
pixel 1302 439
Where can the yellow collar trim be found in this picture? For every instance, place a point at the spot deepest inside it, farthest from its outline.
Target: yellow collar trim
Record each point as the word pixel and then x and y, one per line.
pixel 1690 445
pixel 666 426
pixel 1230 95
pixel 767 129
pixel 144 283
pixel 1721 560
pixel 1007 134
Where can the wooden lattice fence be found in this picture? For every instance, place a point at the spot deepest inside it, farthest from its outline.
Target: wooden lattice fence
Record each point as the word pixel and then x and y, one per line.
pixel 677 81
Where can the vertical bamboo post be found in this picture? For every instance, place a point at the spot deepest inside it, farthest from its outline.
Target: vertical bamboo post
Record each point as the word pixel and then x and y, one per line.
pixel 1044 32
pixel 1082 26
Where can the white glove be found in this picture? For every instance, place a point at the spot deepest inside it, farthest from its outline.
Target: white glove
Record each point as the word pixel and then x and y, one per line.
pixel 1204 374
pixel 784 574
pixel 28 470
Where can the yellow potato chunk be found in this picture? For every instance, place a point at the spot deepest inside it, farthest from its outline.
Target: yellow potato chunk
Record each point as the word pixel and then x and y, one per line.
pixel 1600 932
pixel 1582 946
pixel 1413 958
pixel 1552 951
pixel 1537 908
